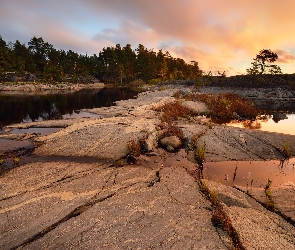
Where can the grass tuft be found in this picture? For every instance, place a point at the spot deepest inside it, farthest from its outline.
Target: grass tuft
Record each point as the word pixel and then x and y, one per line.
pixel 15 161
pixel 270 203
pixel 200 154
pixel 286 151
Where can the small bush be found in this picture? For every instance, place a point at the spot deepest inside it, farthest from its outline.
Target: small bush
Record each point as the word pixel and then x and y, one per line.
pixel 170 130
pixel 174 110
pixel 155 81
pixel 177 94
pixel 226 105
pixel 161 88
pixel 15 160
pixel 200 154
pixel 133 147
pixel 270 204
pixel 286 152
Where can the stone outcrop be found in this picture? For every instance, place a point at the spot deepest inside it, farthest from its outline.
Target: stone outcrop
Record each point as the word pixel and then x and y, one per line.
pixel 257 228
pixel 70 193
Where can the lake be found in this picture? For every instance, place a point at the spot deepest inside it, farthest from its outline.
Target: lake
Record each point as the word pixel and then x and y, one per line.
pixel 26 108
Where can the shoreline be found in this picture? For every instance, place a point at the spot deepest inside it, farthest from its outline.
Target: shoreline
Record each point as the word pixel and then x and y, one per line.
pixel 43 88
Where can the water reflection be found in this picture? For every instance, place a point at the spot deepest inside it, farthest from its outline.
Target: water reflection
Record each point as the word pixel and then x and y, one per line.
pixel 19 108
pixel 251 174
pixel 278 116
pixel 280 123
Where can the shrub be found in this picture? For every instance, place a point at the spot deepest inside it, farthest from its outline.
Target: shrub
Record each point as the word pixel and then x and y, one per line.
pixel 133 147
pixel 200 154
pixel 219 217
pixel 270 204
pixel 286 150
pixel 15 160
pixel 173 110
pixel 170 130
pixel 226 105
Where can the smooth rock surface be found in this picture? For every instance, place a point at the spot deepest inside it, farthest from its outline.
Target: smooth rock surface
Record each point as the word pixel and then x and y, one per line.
pixel 119 208
pixel 283 197
pixel 257 227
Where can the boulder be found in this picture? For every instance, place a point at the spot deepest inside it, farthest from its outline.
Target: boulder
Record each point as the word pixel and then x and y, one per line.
pixel 172 141
pixel 197 107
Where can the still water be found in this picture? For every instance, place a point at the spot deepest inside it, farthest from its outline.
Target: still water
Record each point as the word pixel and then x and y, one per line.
pixel 251 173
pixel 25 108
pixel 270 123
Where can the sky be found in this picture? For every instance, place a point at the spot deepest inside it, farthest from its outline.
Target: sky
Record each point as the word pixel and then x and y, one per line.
pixel 221 35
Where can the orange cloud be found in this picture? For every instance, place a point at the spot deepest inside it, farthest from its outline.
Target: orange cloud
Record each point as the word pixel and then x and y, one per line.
pixel 219 34
pixel 285 56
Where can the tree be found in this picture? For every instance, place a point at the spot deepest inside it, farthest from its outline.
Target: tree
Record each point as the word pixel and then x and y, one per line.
pixel 40 52
pixel 263 63
pixel 5 58
pixel 23 61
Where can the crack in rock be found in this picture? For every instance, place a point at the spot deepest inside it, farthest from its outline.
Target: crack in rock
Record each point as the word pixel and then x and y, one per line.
pixel 76 212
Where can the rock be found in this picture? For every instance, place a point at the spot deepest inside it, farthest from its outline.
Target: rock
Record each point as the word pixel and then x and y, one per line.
pixel 170 148
pixel 131 207
pixel 173 141
pixel 197 107
pixel 283 196
pixel 70 195
pixel 230 143
pixel 257 227
pixel 151 142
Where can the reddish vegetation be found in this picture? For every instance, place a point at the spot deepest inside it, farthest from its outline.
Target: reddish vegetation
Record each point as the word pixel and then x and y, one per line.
pixel 226 105
pixel 173 110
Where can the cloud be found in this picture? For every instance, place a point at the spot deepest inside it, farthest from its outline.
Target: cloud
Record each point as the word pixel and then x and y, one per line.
pixel 285 56
pixel 219 34
pixel 129 33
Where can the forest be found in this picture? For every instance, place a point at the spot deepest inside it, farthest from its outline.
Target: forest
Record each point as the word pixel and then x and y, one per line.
pixel 40 61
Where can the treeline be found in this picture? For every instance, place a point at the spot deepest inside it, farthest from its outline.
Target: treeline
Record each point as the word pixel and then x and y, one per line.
pixel 112 64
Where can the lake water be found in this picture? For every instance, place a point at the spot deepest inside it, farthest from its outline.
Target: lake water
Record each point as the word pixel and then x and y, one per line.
pixel 26 108
pixel 269 123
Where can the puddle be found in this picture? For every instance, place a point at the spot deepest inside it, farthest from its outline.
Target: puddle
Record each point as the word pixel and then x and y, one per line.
pixel 9 145
pixel 39 131
pixel 279 123
pixel 251 173
pixel 241 173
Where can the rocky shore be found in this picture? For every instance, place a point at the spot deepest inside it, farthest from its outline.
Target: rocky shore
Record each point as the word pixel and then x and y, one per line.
pixel 32 88
pixel 82 189
pixel 272 93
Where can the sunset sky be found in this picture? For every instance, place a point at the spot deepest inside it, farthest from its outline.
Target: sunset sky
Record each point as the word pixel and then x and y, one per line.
pixel 219 34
